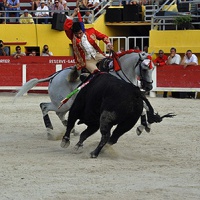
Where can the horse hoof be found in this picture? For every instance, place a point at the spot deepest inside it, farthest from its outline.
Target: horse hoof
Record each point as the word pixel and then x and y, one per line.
pixel 139 129
pixel 64 143
pixel 147 129
pixel 78 148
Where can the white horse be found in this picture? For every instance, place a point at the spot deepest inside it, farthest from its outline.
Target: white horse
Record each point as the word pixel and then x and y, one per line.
pixel 134 66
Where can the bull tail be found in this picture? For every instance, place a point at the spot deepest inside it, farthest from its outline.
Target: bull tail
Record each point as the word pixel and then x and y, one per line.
pixel 169 115
pixel 152 116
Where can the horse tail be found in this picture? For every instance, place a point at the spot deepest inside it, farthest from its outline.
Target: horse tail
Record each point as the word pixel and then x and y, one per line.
pixel 31 83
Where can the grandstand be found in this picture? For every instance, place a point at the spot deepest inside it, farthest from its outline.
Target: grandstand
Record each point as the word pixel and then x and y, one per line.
pixel 148 24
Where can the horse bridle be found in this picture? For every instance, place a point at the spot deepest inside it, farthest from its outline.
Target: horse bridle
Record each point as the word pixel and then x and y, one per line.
pixel 139 62
pixel 140 68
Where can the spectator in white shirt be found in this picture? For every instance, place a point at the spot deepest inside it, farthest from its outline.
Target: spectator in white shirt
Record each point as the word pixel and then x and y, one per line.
pixel 87 18
pixel 189 59
pixel 93 4
pixel 174 58
pixel 44 14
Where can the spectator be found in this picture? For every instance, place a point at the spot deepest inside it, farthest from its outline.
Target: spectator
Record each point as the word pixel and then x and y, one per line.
pixel 26 18
pixel 33 53
pixel 189 59
pixel 49 3
pixel 137 49
pixel 45 51
pixel 34 5
pixel 133 2
pixel 12 5
pixel 4 51
pixel 145 49
pixel 122 3
pixel 88 17
pixel 82 5
pixel 18 53
pixel 93 3
pixel 121 50
pixel 57 7
pixel 3 6
pixel 174 58
pixel 43 14
pixel 161 59
pixel 64 3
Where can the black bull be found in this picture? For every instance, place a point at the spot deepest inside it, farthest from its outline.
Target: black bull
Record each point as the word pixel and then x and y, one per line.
pixel 107 101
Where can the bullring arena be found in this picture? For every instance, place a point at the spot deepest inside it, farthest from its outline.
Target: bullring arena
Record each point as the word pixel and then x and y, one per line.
pixel 162 164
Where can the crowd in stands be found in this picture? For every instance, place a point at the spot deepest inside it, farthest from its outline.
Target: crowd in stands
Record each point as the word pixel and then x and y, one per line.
pixel 42 11
pixel 189 59
pixel 4 51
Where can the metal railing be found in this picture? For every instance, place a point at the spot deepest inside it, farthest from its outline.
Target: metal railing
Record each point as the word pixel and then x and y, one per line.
pixel 163 22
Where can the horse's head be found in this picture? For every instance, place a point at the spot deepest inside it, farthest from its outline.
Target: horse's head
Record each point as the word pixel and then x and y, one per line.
pixel 144 70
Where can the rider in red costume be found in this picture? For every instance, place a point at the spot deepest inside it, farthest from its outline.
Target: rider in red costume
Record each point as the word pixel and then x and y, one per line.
pixel 86 52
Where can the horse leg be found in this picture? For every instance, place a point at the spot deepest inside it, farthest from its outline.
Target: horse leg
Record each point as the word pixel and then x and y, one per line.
pixel 91 129
pixel 143 125
pixel 46 107
pixel 61 116
pixel 45 110
pixel 121 129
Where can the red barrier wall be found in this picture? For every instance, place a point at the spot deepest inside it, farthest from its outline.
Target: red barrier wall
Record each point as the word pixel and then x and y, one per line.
pixel 36 67
pixel 11 72
pixel 178 77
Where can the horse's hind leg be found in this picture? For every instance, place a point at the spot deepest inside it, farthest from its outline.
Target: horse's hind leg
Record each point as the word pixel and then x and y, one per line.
pixel 62 118
pixel 143 125
pixel 45 110
pixel 46 107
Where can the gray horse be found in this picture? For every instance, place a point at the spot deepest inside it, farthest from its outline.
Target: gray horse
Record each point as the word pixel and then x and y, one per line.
pixel 134 66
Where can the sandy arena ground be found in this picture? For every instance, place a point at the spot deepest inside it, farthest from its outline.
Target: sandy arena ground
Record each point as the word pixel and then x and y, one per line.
pixel 161 165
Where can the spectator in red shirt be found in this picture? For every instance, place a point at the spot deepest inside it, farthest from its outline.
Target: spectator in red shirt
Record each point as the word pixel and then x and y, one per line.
pixel 161 59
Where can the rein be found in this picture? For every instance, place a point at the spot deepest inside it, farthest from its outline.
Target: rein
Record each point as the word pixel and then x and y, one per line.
pixel 137 64
pixel 121 54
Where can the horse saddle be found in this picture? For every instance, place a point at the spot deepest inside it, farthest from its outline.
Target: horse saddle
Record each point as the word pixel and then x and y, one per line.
pixel 105 65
